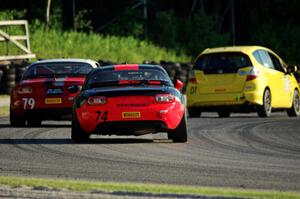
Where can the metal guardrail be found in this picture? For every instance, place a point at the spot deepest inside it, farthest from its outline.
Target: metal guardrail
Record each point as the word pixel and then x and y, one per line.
pixel 5 37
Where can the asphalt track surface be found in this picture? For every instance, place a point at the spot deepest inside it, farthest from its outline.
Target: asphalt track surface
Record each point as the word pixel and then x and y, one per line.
pixel 241 151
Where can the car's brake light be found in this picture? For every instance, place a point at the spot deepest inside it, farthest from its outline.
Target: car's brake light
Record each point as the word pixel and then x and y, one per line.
pixel 164 98
pixel 97 100
pixel 24 90
pixel 193 80
pixel 129 82
pixel 154 82
pixel 253 74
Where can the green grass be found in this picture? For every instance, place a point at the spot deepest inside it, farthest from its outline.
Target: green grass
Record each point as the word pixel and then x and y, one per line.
pixel 57 44
pixel 4 110
pixel 83 186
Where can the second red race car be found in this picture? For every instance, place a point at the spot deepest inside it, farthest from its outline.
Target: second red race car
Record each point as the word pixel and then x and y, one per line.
pixel 129 100
pixel 47 90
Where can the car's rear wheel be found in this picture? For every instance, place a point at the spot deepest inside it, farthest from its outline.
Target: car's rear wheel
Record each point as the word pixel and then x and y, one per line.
pixel 179 134
pixel 294 111
pixel 265 109
pixel 15 120
pixel 77 134
pixel 224 113
pixel 194 112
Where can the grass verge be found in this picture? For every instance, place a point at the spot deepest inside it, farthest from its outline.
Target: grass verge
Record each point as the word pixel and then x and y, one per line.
pixel 4 108
pixel 85 186
pixel 56 44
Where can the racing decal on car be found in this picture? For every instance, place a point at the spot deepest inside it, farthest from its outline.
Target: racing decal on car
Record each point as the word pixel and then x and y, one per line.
pixel 193 90
pixel 59 82
pixel 287 84
pixel 28 103
pixel 54 91
pixel 53 101
pixel 131 114
pixel 127 67
pixel 243 73
pixel 101 116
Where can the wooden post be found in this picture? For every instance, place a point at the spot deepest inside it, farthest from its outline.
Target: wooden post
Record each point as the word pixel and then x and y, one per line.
pixel 48 12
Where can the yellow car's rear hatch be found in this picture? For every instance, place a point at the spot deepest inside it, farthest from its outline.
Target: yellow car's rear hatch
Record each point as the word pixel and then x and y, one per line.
pixel 221 72
pixel 220 83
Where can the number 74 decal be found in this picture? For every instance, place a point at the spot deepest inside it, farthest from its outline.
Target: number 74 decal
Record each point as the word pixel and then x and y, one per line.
pixel 101 116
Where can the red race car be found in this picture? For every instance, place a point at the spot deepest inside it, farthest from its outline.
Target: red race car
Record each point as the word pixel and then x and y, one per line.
pixel 46 90
pixel 129 100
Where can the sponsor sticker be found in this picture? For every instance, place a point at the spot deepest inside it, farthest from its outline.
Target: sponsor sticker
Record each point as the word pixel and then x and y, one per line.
pixel 131 114
pixel 54 91
pixel 243 73
pixel 53 101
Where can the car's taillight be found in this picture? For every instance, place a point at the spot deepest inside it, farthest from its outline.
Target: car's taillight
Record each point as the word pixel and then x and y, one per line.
pixel 25 90
pixel 193 80
pixel 164 98
pixel 97 100
pixel 253 74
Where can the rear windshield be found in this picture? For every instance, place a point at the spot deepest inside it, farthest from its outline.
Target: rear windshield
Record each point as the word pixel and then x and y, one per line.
pixel 125 77
pixel 57 70
pixel 219 63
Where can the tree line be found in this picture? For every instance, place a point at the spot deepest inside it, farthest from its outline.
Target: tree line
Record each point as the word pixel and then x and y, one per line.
pixel 187 26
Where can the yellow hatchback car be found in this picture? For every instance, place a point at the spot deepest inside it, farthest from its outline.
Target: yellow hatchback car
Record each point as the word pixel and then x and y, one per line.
pixel 242 79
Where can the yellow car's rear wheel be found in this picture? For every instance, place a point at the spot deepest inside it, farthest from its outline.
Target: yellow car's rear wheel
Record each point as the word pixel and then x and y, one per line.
pixel 294 111
pixel 194 112
pixel 224 113
pixel 265 109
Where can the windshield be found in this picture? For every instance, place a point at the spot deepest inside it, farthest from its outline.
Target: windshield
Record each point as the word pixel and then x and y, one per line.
pixel 127 77
pixel 57 70
pixel 216 63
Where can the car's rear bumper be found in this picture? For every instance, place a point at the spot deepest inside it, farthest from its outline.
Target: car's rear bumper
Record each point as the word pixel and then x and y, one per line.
pixel 130 127
pixel 166 116
pixel 225 99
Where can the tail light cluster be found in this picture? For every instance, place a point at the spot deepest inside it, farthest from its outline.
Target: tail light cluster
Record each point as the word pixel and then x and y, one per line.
pixel 253 74
pixel 164 98
pixel 24 90
pixel 193 80
pixel 160 98
pixel 97 100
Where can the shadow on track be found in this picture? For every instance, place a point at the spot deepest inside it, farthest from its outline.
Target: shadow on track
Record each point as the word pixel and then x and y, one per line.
pixel 42 126
pixel 69 141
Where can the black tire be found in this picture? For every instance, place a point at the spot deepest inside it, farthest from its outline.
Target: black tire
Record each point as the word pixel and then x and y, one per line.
pixel 34 122
pixel 294 111
pixel 179 134
pixel 224 113
pixel 265 109
pixel 77 134
pixel 16 121
pixel 194 112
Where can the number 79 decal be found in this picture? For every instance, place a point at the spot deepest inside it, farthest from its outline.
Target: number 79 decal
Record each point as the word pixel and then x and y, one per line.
pixel 28 103
pixel 101 116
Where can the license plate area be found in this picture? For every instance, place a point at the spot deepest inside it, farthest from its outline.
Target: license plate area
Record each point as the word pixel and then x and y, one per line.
pixel 128 115
pixel 53 101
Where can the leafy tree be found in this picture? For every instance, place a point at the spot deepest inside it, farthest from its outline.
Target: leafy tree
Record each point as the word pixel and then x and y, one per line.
pixel 166 29
pixel 200 33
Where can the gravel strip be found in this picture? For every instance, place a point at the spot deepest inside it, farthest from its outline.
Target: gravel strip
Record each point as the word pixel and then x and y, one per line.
pixel 21 192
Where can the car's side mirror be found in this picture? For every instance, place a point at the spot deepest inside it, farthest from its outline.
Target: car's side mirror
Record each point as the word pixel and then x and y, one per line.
pixel 178 84
pixel 73 88
pixel 291 69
